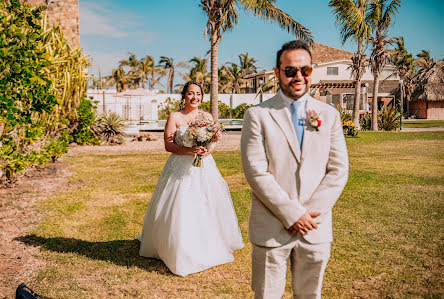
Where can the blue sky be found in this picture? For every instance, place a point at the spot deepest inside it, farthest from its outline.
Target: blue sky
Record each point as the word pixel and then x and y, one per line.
pixel 109 29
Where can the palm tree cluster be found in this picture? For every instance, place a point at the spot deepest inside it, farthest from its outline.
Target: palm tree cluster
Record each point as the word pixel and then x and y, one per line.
pixel 367 23
pixel 134 73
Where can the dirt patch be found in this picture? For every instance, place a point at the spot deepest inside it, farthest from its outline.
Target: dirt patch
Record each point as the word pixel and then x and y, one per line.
pixel 19 262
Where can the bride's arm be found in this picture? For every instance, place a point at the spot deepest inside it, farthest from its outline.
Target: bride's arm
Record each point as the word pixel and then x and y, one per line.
pixel 168 137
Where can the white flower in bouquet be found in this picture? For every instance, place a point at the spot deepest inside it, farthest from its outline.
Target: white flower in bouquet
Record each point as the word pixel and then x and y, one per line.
pixel 188 140
pixel 202 134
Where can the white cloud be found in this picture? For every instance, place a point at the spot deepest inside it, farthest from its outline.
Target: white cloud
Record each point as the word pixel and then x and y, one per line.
pixel 92 23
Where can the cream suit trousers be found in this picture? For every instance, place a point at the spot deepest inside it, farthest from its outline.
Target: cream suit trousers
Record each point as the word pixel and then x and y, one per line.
pixel 308 263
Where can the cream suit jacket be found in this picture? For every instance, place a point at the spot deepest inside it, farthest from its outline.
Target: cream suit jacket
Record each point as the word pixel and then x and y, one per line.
pixel 287 181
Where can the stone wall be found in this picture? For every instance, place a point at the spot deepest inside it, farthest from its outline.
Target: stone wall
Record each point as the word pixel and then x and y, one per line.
pixel 65 12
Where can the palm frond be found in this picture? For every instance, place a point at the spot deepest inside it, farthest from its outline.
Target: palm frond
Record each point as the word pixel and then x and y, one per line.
pixel 266 10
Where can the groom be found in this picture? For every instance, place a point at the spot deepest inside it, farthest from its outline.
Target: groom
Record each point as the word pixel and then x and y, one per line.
pixel 295 160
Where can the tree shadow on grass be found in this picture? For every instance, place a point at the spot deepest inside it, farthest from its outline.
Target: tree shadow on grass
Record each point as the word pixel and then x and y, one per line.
pixel 119 252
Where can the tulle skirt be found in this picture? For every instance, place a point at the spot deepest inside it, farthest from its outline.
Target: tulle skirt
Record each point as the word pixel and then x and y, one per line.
pixel 190 222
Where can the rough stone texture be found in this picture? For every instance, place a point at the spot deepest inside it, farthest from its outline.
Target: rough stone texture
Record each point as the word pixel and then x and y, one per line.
pixel 65 12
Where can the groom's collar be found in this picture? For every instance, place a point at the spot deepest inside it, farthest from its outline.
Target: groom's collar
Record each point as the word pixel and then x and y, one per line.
pixel 289 101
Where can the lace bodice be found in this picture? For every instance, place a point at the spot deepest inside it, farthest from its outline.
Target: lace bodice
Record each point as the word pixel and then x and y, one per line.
pixel 180 136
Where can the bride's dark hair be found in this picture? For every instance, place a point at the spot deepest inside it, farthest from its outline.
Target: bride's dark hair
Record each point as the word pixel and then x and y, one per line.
pixel 185 89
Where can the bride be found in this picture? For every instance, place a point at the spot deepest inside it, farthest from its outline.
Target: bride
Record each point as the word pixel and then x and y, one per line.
pixel 190 223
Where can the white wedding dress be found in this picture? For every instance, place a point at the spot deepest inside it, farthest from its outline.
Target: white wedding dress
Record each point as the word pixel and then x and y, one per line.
pixel 190 222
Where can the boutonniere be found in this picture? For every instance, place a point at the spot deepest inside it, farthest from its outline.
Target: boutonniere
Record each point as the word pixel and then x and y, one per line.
pixel 314 119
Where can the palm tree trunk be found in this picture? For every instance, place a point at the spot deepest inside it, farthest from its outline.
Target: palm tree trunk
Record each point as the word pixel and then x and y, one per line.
pixel 357 89
pixel 375 102
pixel 171 79
pixel 214 79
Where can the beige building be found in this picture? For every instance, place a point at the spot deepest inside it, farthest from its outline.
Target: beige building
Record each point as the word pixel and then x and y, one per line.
pixel 332 79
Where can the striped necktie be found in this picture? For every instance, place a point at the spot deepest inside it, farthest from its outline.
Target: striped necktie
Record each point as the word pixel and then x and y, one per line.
pixel 297 122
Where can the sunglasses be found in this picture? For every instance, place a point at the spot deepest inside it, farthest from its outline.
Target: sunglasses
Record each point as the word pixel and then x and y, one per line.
pixel 291 71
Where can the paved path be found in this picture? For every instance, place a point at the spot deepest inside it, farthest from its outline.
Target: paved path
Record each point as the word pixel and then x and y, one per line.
pixel 435 129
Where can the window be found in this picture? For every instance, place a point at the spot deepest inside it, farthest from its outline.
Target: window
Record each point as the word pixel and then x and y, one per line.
pixel 332 70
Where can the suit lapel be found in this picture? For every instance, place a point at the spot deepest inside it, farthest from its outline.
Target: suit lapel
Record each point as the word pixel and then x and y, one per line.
pixel 281 116
pixel 309 131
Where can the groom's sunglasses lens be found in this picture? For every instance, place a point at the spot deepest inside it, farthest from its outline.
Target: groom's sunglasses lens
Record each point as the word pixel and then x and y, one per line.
pixel 291 71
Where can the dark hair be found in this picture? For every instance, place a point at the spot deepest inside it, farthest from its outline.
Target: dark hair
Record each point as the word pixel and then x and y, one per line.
pixel 185 89
pixel 294 44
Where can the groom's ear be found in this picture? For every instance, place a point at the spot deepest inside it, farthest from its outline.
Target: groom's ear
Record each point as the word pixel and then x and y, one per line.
pixel 276 72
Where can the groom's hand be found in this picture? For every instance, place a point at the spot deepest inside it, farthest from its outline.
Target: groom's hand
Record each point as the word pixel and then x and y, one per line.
pixel 305 223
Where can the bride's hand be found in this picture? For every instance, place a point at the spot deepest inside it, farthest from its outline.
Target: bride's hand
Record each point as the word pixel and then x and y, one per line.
pixel 199 150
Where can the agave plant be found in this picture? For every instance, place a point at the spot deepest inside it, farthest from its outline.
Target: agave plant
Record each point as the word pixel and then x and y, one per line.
pixel 388 119
pixel 111 128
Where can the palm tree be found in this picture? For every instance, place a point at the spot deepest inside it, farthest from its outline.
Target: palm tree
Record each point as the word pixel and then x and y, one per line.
pixel 149 69
pixel 168 64
pixel 199 72
pixel 118 78
pixel 424 61
pixel 223 15
pixel 133 64
pixel 351 18
pixel 247 64
pixel 404 63
pixel 380 18
pixel 233 75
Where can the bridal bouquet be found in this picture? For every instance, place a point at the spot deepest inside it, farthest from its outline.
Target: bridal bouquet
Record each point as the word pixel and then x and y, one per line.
pixel 202 132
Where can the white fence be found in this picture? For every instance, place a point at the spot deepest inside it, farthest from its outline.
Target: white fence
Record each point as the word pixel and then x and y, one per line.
pixel 145 108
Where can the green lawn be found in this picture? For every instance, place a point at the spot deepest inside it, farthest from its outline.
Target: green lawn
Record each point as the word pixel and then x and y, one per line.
pixel 388 227
pixel 422 123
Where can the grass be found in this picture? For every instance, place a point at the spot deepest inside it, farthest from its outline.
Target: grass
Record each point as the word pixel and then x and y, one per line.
pixel 388 227
pixel 422 123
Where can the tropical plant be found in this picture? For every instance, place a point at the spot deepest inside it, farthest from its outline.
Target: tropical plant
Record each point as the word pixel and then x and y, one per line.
pixel 232 78
pixel 366 121
pixel 151 71
pixel 351 18
pixel 223 15
pixel 389 118
pixel 112 128
pixel 118 78
pixel 199 72
pixel 381 17
pixel 247 64
pixel 168 64
pixel 134 72
pixel 424 61
pixel 42 82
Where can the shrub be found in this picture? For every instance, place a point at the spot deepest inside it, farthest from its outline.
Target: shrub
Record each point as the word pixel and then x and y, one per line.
pixel 42 80
pixel 167 107
pixel 349 129
pixel 86 127
pixel 239 111
pixel 366 121
pixel 224 109
pixel 388 119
